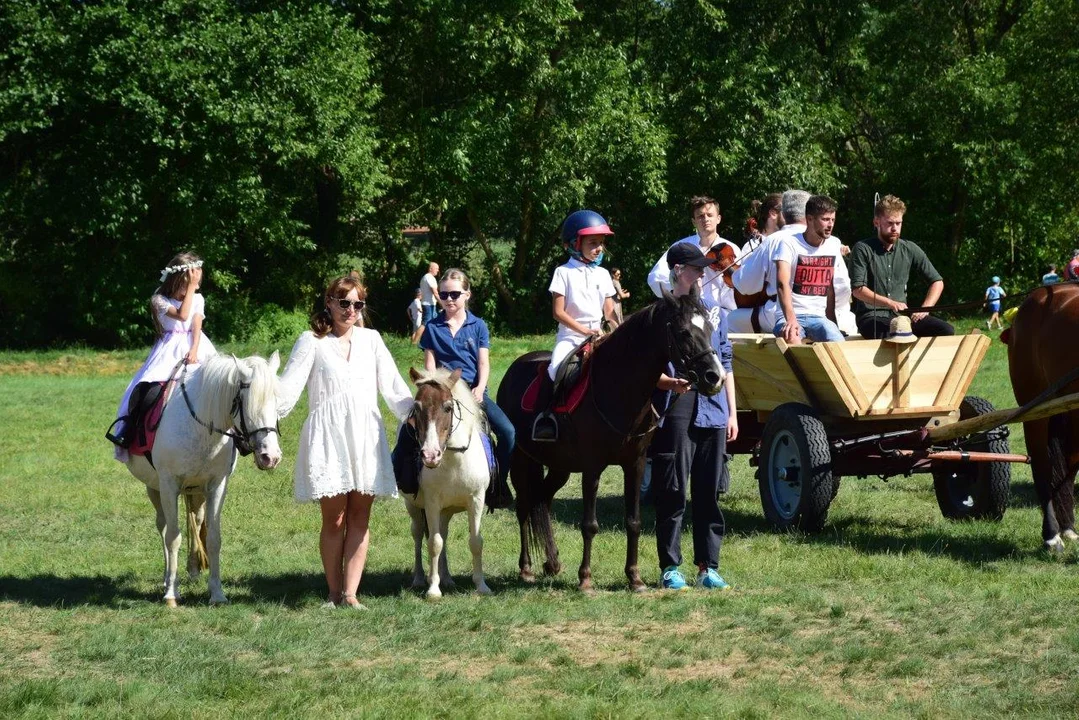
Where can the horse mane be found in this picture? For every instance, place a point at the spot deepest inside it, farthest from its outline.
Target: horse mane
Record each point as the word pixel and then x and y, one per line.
pixel 459 391
pixel 625 340
pixel 221 379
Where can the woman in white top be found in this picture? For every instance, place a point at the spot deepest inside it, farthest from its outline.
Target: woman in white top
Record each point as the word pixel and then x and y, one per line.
pixel 343 459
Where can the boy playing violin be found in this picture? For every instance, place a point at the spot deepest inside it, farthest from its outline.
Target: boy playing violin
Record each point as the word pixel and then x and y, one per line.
pixel 715 293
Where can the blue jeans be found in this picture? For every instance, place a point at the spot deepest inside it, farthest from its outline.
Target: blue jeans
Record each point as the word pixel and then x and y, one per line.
pixel 814 327
pixel 430 312
pixel 504 434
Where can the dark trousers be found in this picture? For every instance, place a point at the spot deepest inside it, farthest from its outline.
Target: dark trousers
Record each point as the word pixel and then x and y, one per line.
pixel 874 327
pixel 682 455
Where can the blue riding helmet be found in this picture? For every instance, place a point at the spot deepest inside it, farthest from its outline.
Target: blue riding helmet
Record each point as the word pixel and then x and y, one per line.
pixel 583 222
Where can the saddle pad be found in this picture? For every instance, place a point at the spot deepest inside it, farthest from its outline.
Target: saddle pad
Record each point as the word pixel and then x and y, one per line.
pixel 489 451
pixel 146 427
pixel 529 401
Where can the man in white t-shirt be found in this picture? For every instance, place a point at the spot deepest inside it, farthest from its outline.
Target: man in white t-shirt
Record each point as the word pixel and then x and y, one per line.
pixel 429 293
pixel 715 295
pixel 808 268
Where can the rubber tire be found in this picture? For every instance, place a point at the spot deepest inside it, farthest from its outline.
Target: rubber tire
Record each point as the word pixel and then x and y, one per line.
pixel 800 424
pixel 987 484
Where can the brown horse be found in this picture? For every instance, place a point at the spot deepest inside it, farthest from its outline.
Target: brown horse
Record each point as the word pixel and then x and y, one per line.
pixel 1041 350
pixel 611 425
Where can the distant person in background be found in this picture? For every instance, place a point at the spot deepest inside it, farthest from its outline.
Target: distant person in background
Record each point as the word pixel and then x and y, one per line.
pixel 619 293
pixel 993 294
pixel 1051 277
pixel 429 293
pixel 879 270
pixel 766 217
pixel 1072 271
pixel 415 316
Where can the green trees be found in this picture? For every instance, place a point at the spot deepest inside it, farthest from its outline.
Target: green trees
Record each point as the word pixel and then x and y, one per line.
pixel 287 141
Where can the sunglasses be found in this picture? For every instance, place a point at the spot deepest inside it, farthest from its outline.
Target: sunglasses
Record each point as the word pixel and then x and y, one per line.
pixel 450 294
pixel 357 305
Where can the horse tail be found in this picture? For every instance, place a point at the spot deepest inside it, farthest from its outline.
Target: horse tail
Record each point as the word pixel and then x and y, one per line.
pixel 540 532
pixel 196 535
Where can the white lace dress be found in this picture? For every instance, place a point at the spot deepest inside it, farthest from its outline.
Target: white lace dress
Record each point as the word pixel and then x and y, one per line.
pixel 343 443
pixel 170 348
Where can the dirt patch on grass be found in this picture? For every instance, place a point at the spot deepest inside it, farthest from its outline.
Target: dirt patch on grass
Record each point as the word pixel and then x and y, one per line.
pixel 86 364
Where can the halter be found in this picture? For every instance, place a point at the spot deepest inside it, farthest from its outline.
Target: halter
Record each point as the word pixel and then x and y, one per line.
pixel 241 440
pixel 456 418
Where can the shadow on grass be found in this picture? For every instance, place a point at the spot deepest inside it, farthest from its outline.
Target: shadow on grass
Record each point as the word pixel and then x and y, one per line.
pixel 51 590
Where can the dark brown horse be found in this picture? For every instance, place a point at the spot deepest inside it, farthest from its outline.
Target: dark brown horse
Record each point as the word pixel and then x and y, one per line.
pixel 612 424
pixel 1042 349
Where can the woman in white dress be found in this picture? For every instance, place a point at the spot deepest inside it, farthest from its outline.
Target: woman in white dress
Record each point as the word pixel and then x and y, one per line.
pixel 178 311
pixel 343 460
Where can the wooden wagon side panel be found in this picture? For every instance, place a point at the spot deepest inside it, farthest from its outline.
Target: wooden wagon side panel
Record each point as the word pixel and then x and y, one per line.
pixel 763 379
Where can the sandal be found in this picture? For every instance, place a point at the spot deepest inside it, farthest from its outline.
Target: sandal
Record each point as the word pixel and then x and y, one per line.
pixel 333 601
pixel 350 601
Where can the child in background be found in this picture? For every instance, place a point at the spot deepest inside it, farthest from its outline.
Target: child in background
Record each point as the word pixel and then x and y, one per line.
pixel 415 316
pixel 1051 277
pixel 178 311
pixel 993 294
pixel 582 295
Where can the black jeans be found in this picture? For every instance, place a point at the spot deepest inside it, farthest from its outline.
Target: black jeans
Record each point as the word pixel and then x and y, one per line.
pixel 682 455
pixel 874 327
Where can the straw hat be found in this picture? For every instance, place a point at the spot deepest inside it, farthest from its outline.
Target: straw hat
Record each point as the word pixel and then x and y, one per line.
pixel 899 330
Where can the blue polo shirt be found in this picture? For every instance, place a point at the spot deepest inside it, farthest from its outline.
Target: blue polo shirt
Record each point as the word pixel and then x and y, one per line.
pixel 460 351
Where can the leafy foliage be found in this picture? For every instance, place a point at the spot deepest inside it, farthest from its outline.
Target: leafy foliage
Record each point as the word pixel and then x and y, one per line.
pixel 286 142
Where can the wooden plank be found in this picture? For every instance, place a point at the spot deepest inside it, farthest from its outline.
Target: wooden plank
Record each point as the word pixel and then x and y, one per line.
pixel 839 384
pixel 901 388
pixel 974 363
pixel 842 367
pixel 1056 406
pixel 762 377
pixel 922 410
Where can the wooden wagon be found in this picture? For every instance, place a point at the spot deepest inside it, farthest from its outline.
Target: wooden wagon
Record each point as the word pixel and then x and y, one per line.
pixel 812 414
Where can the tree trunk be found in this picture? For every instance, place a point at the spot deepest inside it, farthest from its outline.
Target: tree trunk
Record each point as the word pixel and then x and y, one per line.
pixel 496 268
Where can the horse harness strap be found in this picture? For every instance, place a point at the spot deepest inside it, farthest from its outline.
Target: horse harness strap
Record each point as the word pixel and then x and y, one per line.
pixel 241 440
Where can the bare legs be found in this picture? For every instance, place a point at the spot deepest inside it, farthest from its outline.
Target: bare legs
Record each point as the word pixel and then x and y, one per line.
pixel 343 543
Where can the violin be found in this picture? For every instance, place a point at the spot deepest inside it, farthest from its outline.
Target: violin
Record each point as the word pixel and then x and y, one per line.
pixel 724 261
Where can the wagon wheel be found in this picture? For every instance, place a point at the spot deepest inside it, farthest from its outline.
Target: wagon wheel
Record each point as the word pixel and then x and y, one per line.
pixel 795 472
pixel 969 491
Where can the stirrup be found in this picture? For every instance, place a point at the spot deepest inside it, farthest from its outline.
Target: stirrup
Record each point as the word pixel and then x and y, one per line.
pixel 122 439
pixel 545 428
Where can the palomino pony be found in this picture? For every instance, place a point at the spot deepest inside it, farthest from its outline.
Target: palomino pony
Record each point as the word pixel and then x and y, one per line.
pixel 455 474
pixel 1039 355
pixel 224 405
pixel 611 425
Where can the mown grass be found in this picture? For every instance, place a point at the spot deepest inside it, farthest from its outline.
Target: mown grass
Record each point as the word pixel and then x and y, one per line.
pixel 891 611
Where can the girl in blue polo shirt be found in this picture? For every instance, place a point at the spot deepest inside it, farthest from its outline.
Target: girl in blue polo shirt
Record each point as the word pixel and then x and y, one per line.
pixel 458 340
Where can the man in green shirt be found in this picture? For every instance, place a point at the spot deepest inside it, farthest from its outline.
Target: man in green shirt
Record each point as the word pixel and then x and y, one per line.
pixel 879 270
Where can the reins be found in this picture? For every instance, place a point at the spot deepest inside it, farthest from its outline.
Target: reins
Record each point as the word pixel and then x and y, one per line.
pixel 241 440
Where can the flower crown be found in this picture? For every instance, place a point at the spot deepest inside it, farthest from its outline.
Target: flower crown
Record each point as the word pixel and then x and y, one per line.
pixel 179 268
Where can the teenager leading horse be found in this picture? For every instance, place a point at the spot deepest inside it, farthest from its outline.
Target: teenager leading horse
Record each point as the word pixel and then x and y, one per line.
pixel 612 424
pixel 1039 357
pixel 450 426
pixel 223 402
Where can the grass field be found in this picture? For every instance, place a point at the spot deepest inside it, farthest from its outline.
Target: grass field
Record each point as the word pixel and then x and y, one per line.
pixel 891 611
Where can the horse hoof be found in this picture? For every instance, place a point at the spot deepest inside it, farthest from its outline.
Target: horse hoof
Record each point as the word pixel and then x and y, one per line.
pixel 586 587
pixel 447 585
pixel 638 587
pixel 552 568
pixel 528 576
pixel 170 603
pixel 419 584
pixel 434 595
pixel 1055 546
pixel 214 602
pixel 1070 535
pixel 482 589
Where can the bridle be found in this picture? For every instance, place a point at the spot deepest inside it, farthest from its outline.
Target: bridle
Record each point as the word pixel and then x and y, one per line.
pixel 243 439
pixel 456 418
pixel 681 364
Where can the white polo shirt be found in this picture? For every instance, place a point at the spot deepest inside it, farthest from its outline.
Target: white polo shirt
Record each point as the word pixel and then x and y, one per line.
pixel 714 291
pixel 585 287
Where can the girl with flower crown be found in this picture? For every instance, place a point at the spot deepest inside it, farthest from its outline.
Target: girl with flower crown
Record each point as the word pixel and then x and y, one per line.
pixel 177 310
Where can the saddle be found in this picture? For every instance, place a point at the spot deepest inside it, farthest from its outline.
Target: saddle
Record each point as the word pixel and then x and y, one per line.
pixel 569 387
pixel 144 409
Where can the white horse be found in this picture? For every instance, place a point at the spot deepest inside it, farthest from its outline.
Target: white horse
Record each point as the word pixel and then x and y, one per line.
pixel 454 476
pixel 224 406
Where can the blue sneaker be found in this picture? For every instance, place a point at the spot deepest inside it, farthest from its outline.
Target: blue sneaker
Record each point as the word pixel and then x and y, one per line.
pixel 673 579
pixel 711 580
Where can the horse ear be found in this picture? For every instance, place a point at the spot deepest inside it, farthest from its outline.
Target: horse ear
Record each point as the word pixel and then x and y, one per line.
pixel 455 376
pixel 246 373
pixel 413 374
pixel 668 296
pixel 275 362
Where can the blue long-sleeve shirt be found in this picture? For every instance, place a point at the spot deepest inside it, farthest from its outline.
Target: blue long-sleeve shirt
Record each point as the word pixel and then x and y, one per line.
pixel 712 412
